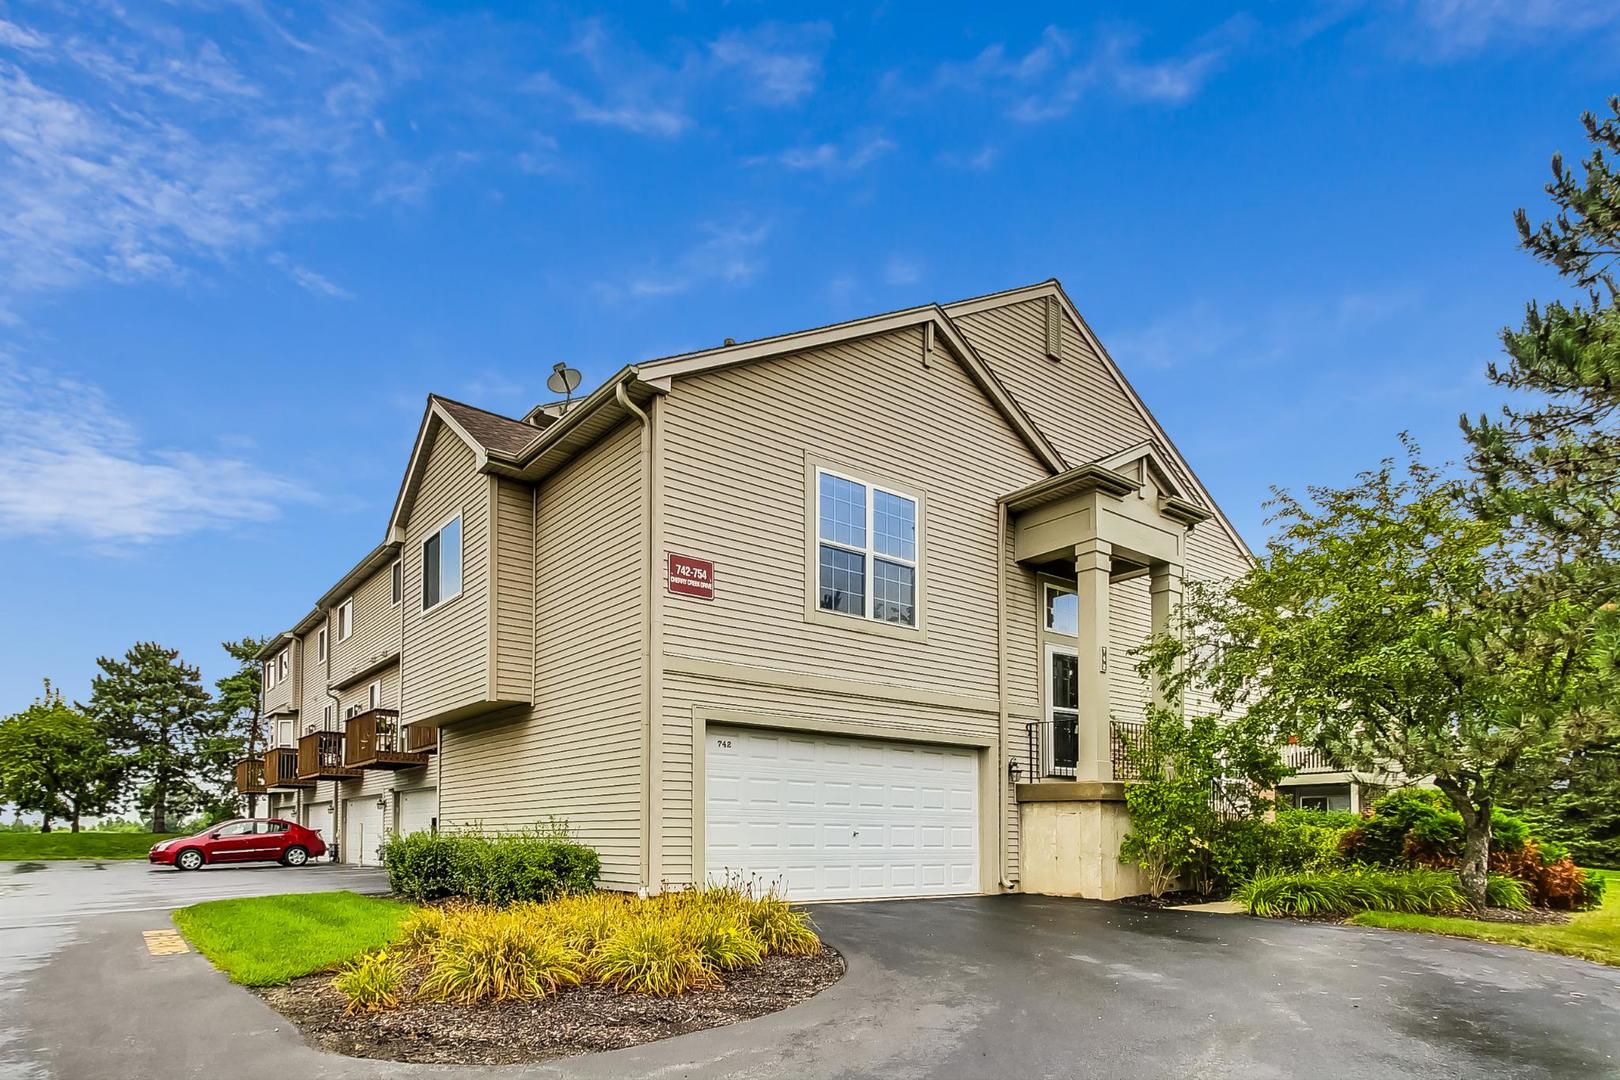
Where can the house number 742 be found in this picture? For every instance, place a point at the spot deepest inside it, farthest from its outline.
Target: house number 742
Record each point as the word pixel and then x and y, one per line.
pixel 723 744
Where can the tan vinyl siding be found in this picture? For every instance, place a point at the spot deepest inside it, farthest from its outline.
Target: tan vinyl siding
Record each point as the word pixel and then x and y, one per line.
pixel 316 674
pixel 280 697
pixel 446 649
pixel 376 627
pixel 358 694
pixel 737 444
pixel 577 753
pixel 514 590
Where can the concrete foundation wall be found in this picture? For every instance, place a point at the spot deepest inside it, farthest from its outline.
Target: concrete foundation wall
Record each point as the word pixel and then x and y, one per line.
pixel 1071 848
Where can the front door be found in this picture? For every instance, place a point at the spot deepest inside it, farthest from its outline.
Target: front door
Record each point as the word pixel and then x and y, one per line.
pixel 1062 710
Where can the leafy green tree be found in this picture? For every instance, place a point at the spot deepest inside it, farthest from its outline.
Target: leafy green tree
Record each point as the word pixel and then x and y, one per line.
pixel 157 714
pixel 1193 775
pixel 1390 625
pixel 55 761
pixel 237 701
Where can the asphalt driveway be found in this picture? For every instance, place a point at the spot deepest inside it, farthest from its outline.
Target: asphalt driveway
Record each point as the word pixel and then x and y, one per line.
pixel 991 987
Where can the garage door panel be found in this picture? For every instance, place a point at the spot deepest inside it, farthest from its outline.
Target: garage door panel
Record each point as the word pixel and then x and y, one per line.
pixel 831 818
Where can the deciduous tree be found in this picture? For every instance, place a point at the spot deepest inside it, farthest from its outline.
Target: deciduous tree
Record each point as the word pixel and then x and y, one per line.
pixel 55 761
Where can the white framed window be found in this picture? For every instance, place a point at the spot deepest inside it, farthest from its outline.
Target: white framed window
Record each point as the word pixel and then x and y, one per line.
pixel 326 716
pixel 1062 611
pixel 867 550
pixel 281 665
pixel 270 675
pixel 345 619
pixel 398 576
pixel 286 733
pixel 374 694
pixel 441 564
pixel 320 645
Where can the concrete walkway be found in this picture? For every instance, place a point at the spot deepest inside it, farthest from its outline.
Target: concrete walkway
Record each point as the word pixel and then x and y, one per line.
pixel 989 986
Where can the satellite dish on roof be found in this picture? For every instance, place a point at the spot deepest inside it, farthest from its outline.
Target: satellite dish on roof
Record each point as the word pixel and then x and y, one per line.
pixel 563 380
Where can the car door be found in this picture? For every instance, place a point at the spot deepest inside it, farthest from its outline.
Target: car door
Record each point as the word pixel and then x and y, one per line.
pixel 236 841
pixel 274 837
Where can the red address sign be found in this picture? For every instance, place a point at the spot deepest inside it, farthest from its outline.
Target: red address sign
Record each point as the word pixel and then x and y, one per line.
pixel 691 577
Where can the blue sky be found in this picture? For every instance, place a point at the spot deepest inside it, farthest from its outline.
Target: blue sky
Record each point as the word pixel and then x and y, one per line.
pixel 240 242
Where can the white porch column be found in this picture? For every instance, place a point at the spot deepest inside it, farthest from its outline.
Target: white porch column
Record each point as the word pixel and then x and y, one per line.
pixel 1164 586
pixel 1093 559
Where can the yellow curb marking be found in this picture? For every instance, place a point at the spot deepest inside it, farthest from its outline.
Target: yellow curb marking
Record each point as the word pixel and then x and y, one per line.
pixel 165 942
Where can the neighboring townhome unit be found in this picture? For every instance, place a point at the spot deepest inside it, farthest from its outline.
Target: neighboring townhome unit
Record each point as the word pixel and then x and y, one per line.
pixel 850 611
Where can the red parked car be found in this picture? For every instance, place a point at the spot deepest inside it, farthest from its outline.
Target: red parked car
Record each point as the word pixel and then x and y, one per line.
pixel 242 840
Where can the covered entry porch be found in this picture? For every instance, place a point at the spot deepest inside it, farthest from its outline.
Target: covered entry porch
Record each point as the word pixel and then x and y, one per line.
pixel 1101 525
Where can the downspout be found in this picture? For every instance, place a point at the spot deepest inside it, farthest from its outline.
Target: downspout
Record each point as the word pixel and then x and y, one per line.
pixel 652 798
pixel 337 716
pixel 1002 764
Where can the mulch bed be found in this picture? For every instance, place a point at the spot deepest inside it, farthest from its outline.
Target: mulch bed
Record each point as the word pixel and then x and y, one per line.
pixel 1169 900
pixel 583 1020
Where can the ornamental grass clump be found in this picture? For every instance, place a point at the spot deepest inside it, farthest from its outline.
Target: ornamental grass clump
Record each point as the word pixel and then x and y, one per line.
pixel 490 956
pixel 656 955
pixel 372 982
pixel 1346 892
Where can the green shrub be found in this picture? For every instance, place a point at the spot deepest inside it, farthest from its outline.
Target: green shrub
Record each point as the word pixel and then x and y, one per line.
pixel 1344 892
pixel 489 868
pixel 1327 819
pixel 1502 891
pixel 372 981
pixel 1418 825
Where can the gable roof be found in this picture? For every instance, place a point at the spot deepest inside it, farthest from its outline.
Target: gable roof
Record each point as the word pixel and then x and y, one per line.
pixel 928 315
pixel 1175 459
pixel 489 430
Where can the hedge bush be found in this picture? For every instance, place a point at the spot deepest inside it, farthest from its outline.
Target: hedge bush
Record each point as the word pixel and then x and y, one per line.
pixel 495 869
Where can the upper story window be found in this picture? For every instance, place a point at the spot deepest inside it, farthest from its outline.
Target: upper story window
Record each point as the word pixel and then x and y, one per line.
pixel 374 695
pixel 866 550
pixel 320 645
pixel 441 564
pixel 1062 611
pixel 270 675
pixel 345 619
pixel 326 716
pixel 281 665
pixel 398 575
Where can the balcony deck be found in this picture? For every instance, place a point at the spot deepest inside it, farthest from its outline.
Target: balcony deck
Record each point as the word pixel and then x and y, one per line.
pixel 250 776
pixel 320 757
pixel 373 740
pixel 281 769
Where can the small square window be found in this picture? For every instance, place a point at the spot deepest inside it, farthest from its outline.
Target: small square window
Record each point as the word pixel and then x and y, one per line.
pixel 1062 611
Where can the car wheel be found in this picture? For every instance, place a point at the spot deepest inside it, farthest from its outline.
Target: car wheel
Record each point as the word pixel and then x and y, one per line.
pixel 295 856
pixel 189 859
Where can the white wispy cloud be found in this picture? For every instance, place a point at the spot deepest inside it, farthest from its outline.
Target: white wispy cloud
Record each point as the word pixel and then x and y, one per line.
pixel 133 148
pixel 308 279
pixel 832 158
pixel 1049 78
pixel 728 254
pixel 1450 27
pixel 899 270
pixel 775 64
pixel 73 469
pixel 619 86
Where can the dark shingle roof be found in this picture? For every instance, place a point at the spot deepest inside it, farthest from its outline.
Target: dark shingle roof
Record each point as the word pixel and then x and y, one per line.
pixel 494 432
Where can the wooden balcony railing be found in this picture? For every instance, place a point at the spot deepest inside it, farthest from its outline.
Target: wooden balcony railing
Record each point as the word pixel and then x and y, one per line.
pixel 320 757
pixel 250 776
pixel 281 768
pixel 421 739
pixel 1308 759
pixel 373 740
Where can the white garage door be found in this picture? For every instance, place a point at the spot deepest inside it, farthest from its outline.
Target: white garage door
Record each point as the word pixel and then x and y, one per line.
pixel 417 810
pixel 825 818
pixel 318 816
pixel 363 830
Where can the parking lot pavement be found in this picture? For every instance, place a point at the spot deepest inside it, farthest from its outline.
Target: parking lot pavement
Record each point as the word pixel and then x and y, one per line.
pixel 45 905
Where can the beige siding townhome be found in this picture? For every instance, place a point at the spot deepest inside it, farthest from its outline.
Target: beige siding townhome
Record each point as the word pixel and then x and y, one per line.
pixel 848 611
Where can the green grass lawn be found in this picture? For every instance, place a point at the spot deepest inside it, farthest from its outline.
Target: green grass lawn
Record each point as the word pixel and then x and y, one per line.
pixel 1590 935
pixel 267 940
pixel 82 845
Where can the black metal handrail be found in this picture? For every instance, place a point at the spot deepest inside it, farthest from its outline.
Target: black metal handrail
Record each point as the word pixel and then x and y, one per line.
pixel 1126 740
pixel 1053 747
